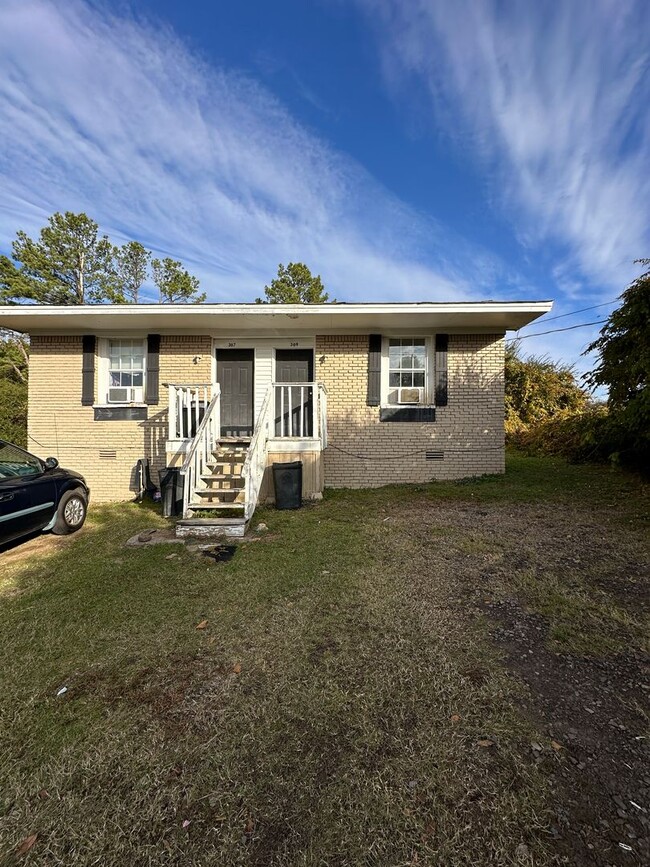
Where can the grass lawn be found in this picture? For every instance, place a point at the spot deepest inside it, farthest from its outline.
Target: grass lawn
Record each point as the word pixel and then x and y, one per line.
pixel 378 682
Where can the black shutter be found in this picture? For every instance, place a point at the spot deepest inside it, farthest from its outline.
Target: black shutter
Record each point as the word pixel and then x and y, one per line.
pixel 442 343
pixel 374 370
pixel 88 370
pixel 153 369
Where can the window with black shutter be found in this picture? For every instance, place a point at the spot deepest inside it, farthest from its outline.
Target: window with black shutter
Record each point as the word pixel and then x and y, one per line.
pixel 374 370
pixel 88 370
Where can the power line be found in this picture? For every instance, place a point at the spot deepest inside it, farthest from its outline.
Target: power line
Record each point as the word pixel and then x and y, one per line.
pixel 555 330
pixel 573 312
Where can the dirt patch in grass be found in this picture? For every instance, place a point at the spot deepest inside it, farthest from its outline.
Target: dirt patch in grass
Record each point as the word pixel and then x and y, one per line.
pixel 595 708
pixel 565 595
pixel 164 688
pixel 23 550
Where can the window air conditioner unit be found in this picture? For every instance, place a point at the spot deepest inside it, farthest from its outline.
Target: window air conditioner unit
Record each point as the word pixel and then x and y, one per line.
pixel 125 395
pixel 409 395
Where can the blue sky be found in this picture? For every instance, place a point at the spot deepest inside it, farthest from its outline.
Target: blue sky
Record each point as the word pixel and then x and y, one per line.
pixel 420 150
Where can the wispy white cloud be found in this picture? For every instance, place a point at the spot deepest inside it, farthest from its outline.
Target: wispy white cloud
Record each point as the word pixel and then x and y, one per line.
pixel 115 116
pixel 552 97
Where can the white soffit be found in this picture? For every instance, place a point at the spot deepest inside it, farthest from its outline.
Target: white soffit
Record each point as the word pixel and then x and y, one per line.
pixel 272 319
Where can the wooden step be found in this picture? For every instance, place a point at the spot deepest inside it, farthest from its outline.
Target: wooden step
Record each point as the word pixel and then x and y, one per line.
pixel 223 462
pixel 219 492
pixel 224 477
pixel 229 457
pixel 233 460
pixel 211 527
pixel 194 506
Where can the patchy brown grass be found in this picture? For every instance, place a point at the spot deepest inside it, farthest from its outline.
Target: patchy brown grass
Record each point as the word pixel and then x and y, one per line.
pixel 381 682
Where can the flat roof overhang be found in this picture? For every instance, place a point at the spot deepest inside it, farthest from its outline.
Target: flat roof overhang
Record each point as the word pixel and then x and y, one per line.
pixel 273 319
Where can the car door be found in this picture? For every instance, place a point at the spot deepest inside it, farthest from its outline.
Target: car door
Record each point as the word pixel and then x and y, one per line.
pixel 41 489
pixel 27 495
pixel 14 504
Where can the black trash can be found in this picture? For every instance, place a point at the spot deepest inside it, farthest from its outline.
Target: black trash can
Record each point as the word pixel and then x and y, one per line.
pixel 287 480
pixel 171 492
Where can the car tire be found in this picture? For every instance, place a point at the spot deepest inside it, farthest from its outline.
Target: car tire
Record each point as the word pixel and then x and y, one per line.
pixel 71 513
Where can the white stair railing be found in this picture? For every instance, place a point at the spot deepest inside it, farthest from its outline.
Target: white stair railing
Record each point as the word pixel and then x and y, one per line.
pixel 187 404
pixel 200 451
pixel 256 457
pixel 295 409
pixel 322 415
pixel 300 410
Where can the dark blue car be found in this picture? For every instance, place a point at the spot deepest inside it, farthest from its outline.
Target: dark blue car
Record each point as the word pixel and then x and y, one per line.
pixel 38 495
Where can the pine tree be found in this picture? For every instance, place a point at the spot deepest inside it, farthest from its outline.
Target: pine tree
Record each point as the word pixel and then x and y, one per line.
pixel 68 264
pixel 295 285
pixel 175 284
pixel 129 272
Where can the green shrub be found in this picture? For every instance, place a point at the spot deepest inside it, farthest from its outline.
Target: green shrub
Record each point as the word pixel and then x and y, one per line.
pixel 595 434
pixel 13 411
pixel 537 389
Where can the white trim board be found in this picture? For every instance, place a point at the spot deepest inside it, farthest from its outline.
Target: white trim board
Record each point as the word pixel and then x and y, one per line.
pixel 279 319
pixel 288 445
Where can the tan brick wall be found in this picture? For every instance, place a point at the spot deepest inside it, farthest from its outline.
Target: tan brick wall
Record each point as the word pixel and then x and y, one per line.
pixel 469 430
pixel 59 425
pixel 364 452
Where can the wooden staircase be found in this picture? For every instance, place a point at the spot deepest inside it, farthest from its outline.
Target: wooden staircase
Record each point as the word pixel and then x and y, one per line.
pixel 218 503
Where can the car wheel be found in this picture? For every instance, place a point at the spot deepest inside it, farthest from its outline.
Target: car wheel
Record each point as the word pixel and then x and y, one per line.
pixel 71 513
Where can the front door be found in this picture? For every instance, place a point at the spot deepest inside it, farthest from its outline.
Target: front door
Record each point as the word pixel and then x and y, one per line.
pixel 294 404
pixel 235 376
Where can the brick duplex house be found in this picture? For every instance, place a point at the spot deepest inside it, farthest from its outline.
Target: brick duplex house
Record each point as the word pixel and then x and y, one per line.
pixel 363 394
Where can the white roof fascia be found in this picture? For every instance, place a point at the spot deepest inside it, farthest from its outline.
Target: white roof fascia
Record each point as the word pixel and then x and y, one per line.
pixel 274 319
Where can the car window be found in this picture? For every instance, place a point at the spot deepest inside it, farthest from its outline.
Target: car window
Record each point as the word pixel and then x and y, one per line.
pixel 14 462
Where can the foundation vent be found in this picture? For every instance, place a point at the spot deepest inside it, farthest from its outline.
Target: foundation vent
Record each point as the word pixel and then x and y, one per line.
pixel 107 454
pixel 434 456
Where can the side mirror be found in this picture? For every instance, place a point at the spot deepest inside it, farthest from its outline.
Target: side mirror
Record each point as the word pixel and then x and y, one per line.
pixel 51 464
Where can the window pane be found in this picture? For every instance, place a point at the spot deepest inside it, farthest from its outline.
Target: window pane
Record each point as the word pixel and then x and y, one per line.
pixel 138 362
pixel 407 365
pixel 137 378
pixel 419 357
pixel 14 462
pixel 115 379
pixel 408 361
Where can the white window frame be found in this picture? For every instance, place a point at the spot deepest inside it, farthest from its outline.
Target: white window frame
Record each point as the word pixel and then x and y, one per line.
pixel 429 342
pixel 103 369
